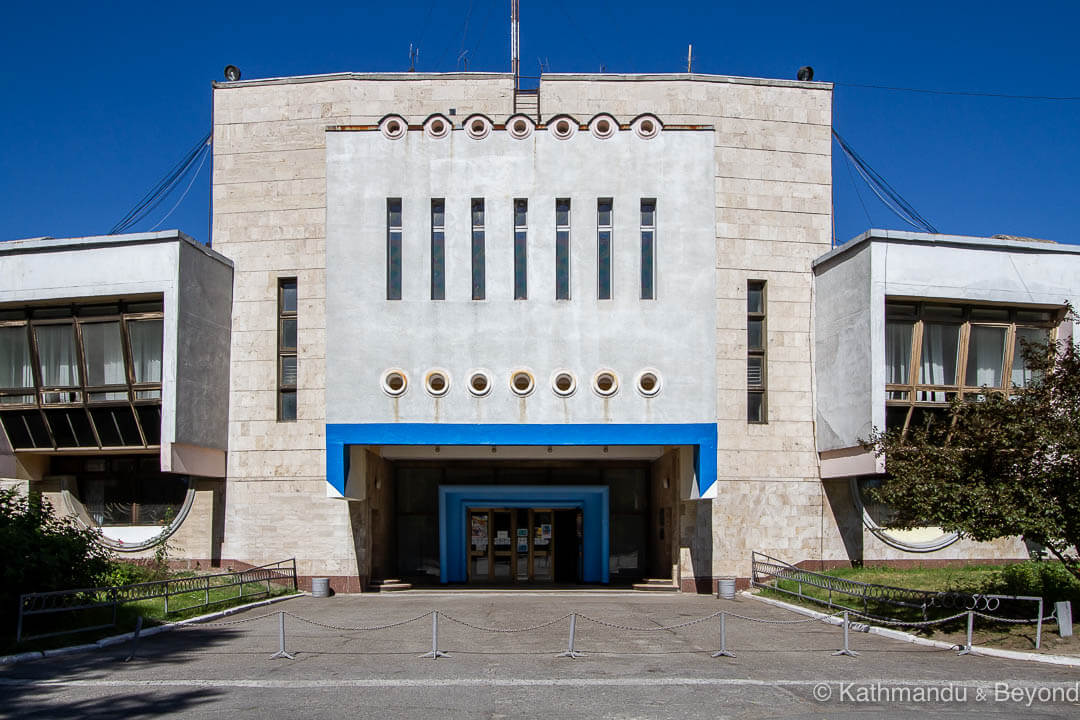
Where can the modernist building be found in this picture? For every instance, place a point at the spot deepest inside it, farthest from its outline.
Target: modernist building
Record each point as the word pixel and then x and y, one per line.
pixel 450 339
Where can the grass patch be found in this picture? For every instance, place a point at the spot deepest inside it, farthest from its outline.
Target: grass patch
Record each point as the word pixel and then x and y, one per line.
pixel 181 606
pixel 1048 580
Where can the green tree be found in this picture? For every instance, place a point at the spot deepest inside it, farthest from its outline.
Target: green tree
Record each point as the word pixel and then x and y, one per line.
pixel 999 466
pixel 43 552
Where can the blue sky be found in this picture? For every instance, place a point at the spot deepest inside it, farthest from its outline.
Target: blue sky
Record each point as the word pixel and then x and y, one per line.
pixel 101 100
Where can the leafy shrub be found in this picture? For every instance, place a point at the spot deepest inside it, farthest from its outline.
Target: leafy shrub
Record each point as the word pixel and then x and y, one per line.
pixel 1050 580
pixel 128 573
pixel 43 552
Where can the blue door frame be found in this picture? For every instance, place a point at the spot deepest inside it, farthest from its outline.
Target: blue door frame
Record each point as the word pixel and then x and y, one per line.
pixel 455 501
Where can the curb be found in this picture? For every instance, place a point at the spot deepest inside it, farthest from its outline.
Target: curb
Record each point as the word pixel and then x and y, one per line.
pixel 916 640
pixel 118 639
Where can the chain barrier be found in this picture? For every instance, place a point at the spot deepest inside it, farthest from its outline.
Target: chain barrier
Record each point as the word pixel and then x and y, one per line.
pixel 785 622
pixel 505 630
pixel 188 624
pixel 571 652
pixel 1016 621
pixel 359 629
pixel 647 629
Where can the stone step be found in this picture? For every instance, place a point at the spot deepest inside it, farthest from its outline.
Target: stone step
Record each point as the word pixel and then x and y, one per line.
pixel 388 585
pixel 656 585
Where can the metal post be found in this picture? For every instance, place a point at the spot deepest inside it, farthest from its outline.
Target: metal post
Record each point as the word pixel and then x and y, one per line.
pixel 281 638
pixel 167 598
pixel 135 638
pixel 435 653
pixel 966 650
pixel 207 595
pixel 18 631
pixel 1038 626
pixel 846 649
pixel 723 651
pixel 570 651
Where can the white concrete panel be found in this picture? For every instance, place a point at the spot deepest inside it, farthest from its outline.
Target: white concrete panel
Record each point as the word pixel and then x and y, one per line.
pixel 367 334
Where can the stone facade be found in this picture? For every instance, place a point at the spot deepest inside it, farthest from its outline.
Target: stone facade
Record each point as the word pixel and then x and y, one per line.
pixel 773 192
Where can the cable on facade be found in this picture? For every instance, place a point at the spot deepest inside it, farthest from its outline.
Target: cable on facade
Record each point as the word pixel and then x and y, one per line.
pixel 885 192
pixel 164 187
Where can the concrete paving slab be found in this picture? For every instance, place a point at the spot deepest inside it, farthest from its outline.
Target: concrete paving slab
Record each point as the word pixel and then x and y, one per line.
pixel 644 656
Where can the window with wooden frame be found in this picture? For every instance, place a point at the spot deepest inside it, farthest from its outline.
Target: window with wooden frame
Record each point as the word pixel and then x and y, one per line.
pixel 286 390
pixel 936 352
pixel 82 376
pixel 756 355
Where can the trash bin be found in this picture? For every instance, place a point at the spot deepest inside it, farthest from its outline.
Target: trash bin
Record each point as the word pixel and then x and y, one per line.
pixel 725 588
pixel 320 587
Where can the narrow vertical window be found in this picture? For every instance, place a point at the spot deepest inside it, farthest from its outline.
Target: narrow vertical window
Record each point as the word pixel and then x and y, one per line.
pixel 603 248
pixel 478 249
pixel 562 249
pixel 438 249
pixel 755 359
pixel 286 349
pixel 521 235
pixel 648 249
pixel 393 249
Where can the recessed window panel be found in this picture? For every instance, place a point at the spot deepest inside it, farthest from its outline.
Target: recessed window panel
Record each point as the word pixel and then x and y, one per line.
pixel 438 249
pixel 478 250
pixel 755 333
pixel 755 407
pixel 986 356
pixel 288 370
pixel 898 334
pixel 150 420
pixel 26 429
pixel 104 353
pixel 288 297
pixel 56 355
pixel 107 427
pixel 288 333
pixel 287 408
pixel 393 249
pixel 1000 315
pixel 755 298
pixel 145 336
pixel 15 368
pixel 521 235
pixel 940 350
pixel 129 431
pixel 755 371
pixel 1022 376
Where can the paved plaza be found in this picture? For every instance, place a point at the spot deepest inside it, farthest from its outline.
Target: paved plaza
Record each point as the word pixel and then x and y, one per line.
pixel 782 669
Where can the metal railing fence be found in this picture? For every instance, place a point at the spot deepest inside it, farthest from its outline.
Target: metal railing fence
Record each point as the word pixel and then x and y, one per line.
pixel 111 598
pixel 769 572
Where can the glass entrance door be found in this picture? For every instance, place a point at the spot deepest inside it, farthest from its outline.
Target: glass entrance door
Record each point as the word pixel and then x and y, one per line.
pixel 511 545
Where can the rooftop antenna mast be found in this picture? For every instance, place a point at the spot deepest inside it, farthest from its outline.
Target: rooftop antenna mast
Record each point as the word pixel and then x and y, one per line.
pixel 690 58
pixel 515 43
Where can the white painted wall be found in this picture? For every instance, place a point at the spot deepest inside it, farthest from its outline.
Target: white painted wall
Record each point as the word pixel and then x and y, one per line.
pixel 367 334
pixel 80 269
pixel 893 264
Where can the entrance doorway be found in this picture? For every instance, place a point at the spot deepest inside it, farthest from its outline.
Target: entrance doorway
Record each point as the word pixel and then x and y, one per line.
pixel 524 545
